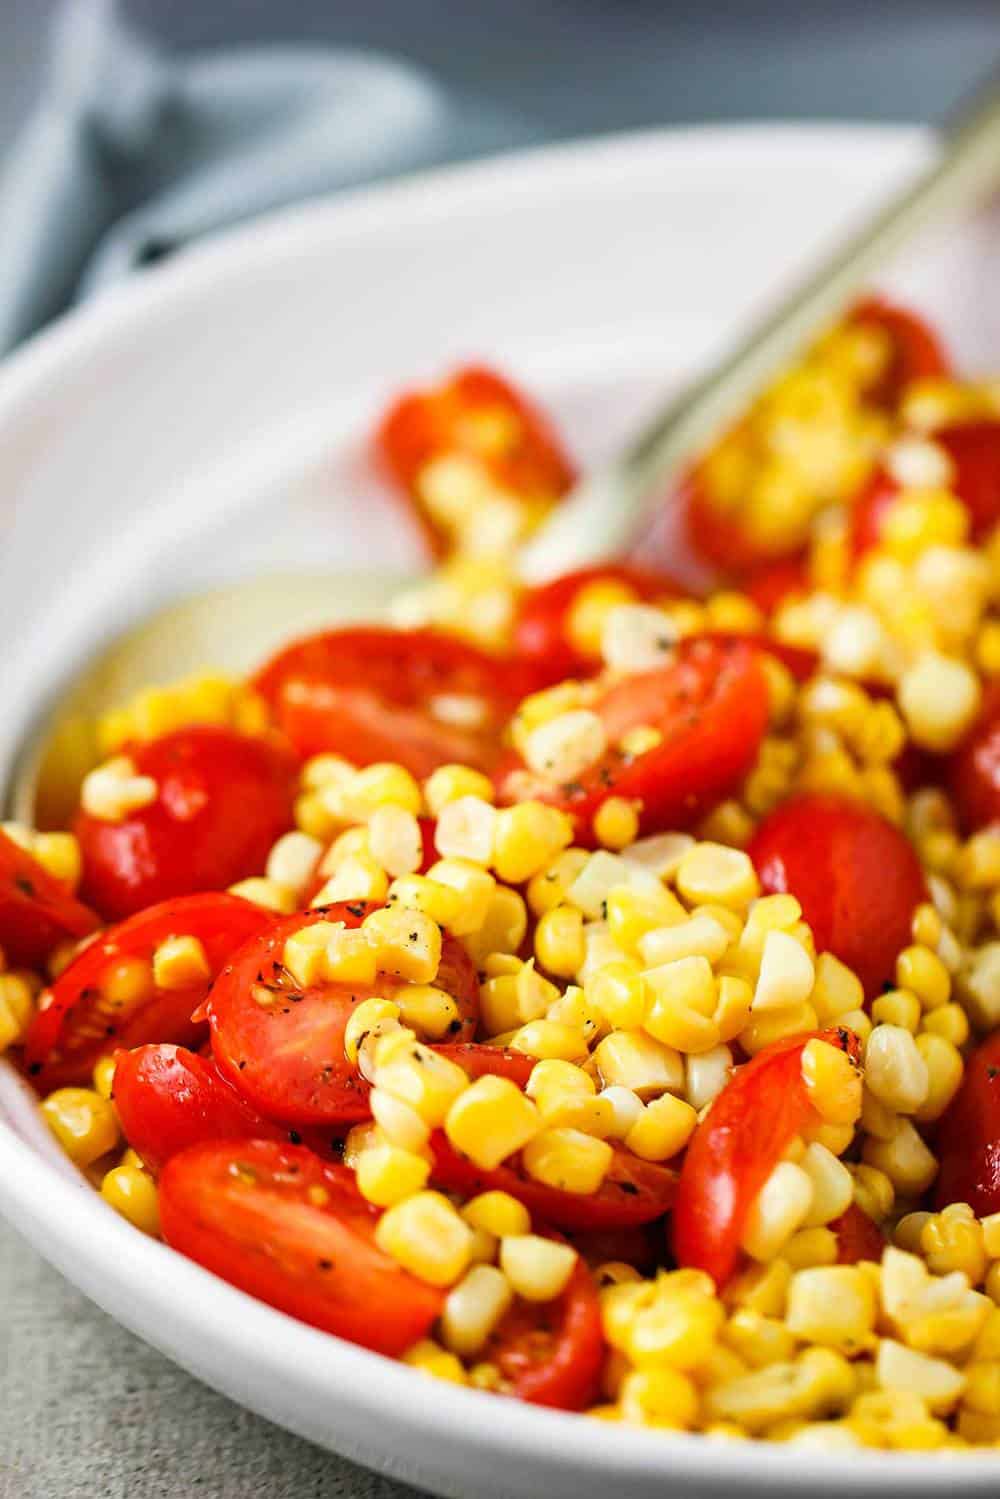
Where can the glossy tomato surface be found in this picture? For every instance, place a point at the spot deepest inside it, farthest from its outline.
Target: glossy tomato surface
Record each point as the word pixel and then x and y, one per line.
pixel 293 1230
pixel 282 1045
pixel 416 697
pixel 856 877
pixel 709 704
pixel 974 767
pixel 222 800
pixel 37 911
pixel 107 996
pixel 968 1135
pixel 735 1148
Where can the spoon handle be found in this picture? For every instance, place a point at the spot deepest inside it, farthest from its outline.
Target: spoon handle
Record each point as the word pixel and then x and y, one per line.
pixel 602 514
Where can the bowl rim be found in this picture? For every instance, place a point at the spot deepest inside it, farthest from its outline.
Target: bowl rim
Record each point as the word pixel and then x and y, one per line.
pixel 186 1301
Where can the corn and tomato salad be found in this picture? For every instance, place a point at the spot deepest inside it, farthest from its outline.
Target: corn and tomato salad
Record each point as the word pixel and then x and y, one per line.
pixel 590 993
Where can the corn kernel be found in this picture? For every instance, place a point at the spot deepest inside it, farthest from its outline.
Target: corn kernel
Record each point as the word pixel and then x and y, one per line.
pixel 449 783
pixel 104 1076
pixel 712 872
pixel 904 1158
pixel 83 1122
pixel 180 963
pixel 371 1017
pixel 634 1060
pixel 395 840
pixel 538 1269
pixel 952 1243
pixel 567 1159
pixel 559 944
pixel 387 1173
pixel 895 1071
pixel 663 1129
pixel 786 974
pixel 498 1214
pixel 618 993
pixel 430 1358
pixel 921 971
pixel 616 823
pixel 115 789
pixel 426 1236
pixel 293 860
pixel 810 1248
pixel 527 837
pixel 832 1186
pixel 406 943
pixel 474 1308
pixel 474 889
pixel 901 1368
pixel 268 894
pixel 939 697
pixel 699 935
pixel 368 789
pixel 550 1039
pixel 17 1008
pixel 491 1120
pixel 781 1207
pixel 707 1074
pixel 833 1306
pixel 132 1193
pixel 944 1074
pixel 898 1007
pixel 425 1080
pixel 399 1124
pixel 503 929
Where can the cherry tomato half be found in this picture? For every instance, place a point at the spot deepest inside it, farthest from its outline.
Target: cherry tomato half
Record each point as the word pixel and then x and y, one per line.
pixel 974 767
pixel 294 1231
pixel 37 912
pixel 917 352
pixel 223 798
pixel 107 997
pixel 634 1191
pixel 552 1354
pixel 735 1148
pixel 709 703
pixel 858 1237
pixel 495 1061
pixel 416 697
pixel 508 452
pixel 856 877
pixel 968 1135
pixel 283 1046
pixel 974 449
pixel 543 634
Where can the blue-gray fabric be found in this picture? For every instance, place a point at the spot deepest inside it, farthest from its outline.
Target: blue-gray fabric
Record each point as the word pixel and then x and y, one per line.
pixel 130 154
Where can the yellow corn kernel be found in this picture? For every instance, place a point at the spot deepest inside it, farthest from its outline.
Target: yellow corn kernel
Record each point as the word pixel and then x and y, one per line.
pixel 548 888
pixel 474 889
pixel 663 1129
pixel 293 860
pixel 416 892
pixel 786 974
pixel 762 1289
pixel 83 1122
pixel 565 746
pixel 833 1306
pixel 819 1380
pixel 17 1007
pixel 473 1309
pixel 398 1123
pixel 387 1173
pixel 394 839
pixel 550 1039
pixel 832 1185
pixel 706 1075
pixel 634 1060
pixel 553 1081
pixel 527 838
pixel 899 1007
pixel 588 613
pixel 497 1214
pixel 430 1358
pixel 618 993
pixel 895 1419
pixel 374 786
pixel 104 1076
pixel 406 943
pixel 465 830
pixel 732 1010
pixel 774 1025
pixel 449 783
pixel 430 1011
pixel 370 1018
pixel 658 1397
pixel 809 1248
pixel 936 1382
pixel 904 1158
pixel 132 1193
pixel 701 935
pixel 538 1269
pixel 426 1236
pixel 832 1082
pixel 424 1079
pixel 949 1242
pixel 873 1191
pixel 921 971
pixel 616 823
pixel 567 1159
pixel 491 1120
pixel 758 1340
pixel 949 1021
pixel 631 913
pixel 180 963
pixel 712 872
pixel 836 990
pixel 268 894
pixel 682 999
pixel 59 854
pixel 781 1206
pixel 944 1074
pixel 895 1071
pixel 327 770
pixel 982 1386
pixel 115 789
pixel 559 944
pixel 939 697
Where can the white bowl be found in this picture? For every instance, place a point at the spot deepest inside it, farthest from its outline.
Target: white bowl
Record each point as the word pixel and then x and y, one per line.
pixel 144 443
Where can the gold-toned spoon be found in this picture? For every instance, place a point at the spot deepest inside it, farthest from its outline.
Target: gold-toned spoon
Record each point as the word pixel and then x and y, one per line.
pixel 595 521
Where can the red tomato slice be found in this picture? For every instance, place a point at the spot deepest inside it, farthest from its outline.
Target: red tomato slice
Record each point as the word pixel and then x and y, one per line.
pixel 223 800
pixel 552 1354
pixel 974 449
pixel 858 1237
pixel 774 582
pixel 917 353
pixel 293 1230
pixel 286 1054
pixel 634 1191
pixel 37 912
pixel 168 1098
pixel 479 416
pixel 79 1021
pixel 974 767
pixel 541 633
pixel 968 1135
pixel 710 703
pixel 378 694
pixel 495 1061
pixel 735 1148
pixel 856 877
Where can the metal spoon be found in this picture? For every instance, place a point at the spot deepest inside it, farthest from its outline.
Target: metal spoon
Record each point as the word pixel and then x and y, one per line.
pixel 595 521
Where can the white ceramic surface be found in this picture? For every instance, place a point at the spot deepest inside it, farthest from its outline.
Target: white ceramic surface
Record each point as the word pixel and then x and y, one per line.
pixel 142 444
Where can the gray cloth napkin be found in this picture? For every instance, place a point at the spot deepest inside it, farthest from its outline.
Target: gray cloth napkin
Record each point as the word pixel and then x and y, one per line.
pixel 131 154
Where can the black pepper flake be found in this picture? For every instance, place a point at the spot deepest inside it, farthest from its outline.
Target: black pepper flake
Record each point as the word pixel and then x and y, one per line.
pixel 992 1072
pixel 34 1069
pixel 629 1188
pixel 294 1137
pixel 356 908
pixel 325 1264
pixel 26 886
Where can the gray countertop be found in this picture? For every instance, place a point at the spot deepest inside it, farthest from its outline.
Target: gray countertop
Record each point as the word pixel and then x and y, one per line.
pixel 86 1411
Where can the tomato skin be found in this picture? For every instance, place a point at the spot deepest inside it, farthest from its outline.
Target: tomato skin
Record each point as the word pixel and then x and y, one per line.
pixel 917 351
pixel 423 425
pixel 492 1061
pixel 73 1029
pixel 287 1058
pixel 856 877
pixel 974 449
pixel 716 538
pixel 973 769
pixel 735 1148
pixel 37 912
pixel 552 1355
pixel 858 1237
pixel 710 702
pixel 771 584
pixel 368 694
pixel 968 1135
pixel 318 1263
pixel 541 632
pixel 633 1192
pixel 223 799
